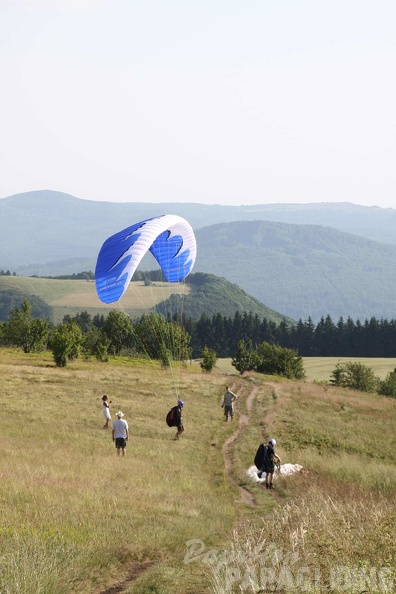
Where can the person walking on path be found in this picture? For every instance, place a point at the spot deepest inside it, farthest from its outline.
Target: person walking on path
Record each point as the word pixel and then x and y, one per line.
pixel 120 433
pixel 269 463
pixel 179 419
pixel 106 410
pixel 228 404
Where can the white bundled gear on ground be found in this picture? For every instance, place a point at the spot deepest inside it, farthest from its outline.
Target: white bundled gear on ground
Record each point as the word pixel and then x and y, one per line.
pixel 282 470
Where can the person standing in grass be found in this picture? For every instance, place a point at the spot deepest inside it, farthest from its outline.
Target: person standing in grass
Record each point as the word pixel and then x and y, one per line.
pixel 228 404
pixel 269 463
pixel 120 433
pixel 179 418
pixel 106 410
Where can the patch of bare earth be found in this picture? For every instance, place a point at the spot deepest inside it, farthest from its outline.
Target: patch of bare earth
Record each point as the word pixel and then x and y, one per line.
pixel 135 571
pixel 243 420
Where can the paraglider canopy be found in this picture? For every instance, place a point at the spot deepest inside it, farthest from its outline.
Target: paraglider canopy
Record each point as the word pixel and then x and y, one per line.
pixel 169 238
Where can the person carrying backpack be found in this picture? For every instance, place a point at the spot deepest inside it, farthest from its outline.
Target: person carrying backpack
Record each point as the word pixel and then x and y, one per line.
pixel 174 418
pixel 179 419
pixel 265 461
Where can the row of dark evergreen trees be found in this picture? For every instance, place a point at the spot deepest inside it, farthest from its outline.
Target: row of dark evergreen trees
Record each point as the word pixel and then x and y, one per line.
pixel 346 338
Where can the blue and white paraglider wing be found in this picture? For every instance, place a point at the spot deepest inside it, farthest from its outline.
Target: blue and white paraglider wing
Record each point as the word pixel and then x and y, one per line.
pixel 169 238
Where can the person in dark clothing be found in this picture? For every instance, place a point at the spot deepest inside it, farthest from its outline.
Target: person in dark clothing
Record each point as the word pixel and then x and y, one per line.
pixel 179 419
pixel 269 463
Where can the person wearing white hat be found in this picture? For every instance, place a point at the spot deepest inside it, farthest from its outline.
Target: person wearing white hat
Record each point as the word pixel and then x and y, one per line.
pixel 120 433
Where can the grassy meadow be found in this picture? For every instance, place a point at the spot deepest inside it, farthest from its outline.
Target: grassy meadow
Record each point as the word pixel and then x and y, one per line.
pixel 168 518
pixel 319 369
pixel 74 296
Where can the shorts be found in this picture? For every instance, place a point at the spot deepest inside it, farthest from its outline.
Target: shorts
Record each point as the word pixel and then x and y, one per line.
pixel 120 442
pixel 269 468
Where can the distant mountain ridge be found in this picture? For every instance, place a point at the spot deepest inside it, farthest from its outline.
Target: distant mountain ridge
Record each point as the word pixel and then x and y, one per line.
pixel 56 226
pixel 303 270
pixel 307 264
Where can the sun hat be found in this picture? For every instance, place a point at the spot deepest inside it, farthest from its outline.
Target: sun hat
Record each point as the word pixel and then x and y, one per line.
pixel 272 442
pixel 120 414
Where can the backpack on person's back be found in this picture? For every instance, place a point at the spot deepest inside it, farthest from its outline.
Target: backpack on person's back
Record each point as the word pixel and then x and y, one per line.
pixel 261 457
pixel 171 417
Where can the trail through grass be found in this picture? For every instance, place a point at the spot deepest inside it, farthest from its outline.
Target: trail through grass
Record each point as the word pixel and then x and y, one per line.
pixel 75 518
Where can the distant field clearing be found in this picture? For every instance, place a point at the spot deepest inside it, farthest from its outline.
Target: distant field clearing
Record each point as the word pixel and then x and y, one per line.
pixel 73 296
pixel 320 368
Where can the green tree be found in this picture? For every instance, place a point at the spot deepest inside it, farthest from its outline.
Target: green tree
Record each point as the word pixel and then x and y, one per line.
pixel 209 359
pixel 147 280
pixel 96 343
pixel 118 329
pixel 387 387
pixel 66 343
pixel 82 319
pixel 159 339
pixel 102 350
pixel 165 356
pixel 24 331
pixel 356 376
pixel 338 375
pixel 202 333
pixel 10 298
pixel 276 360
pixel 245 358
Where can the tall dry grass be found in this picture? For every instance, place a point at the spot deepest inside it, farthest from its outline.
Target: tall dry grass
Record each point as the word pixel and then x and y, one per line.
pixel 75 517
pixel 331 527
pixel 73 514
pixel 314 543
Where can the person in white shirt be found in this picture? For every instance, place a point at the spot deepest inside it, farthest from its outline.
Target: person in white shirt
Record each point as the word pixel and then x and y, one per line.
pixel 120 433
pixel 106 410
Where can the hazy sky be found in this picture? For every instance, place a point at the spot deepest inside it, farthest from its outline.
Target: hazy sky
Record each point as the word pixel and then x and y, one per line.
pixel 211 101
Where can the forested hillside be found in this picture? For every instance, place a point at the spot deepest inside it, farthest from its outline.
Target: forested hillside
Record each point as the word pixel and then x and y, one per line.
pixel 200 294
pixel 299 270
pixel 212 295
pixel 303 270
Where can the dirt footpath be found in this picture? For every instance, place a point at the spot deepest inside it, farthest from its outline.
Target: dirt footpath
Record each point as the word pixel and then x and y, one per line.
pixel 243 420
